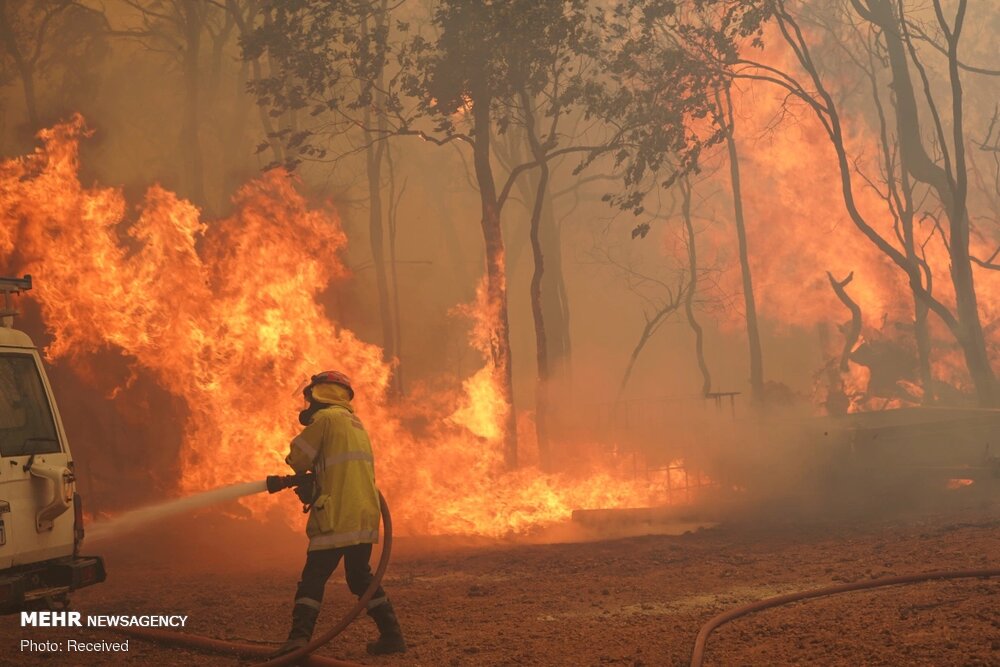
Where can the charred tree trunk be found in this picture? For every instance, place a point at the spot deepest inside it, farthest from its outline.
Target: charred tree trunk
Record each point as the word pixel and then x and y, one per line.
pixel 27 75
pixel 923 339
pixel 837 402
pixel 509 148
pixel 537 312
pixel 699 334
pixel 749 301
pixel 921 332
pixel 854 332
pixel 555 305
pixel 192 168
pixel 228 127
pixel 373 160
pixel 900 199
pixel 219 42
pixel 949 182
pixel 376 236
pixel 233 142
pixel 496 278
pixel 394 264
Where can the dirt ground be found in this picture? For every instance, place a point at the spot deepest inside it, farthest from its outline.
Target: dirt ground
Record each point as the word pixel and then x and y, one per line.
pixel 636 601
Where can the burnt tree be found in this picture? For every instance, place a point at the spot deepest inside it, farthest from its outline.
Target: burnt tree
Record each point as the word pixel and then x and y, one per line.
pixel 728 125
pixel 948 181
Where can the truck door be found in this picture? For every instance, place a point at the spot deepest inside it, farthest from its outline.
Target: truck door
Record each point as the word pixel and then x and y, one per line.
pixel 34 467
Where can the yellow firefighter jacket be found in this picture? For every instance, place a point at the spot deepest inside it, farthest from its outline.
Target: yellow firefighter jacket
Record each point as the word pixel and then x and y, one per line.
pixel 336 447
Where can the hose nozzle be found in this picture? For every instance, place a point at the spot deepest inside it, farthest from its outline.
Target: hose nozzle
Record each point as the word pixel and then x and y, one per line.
pixel 304 484
pixel 277 483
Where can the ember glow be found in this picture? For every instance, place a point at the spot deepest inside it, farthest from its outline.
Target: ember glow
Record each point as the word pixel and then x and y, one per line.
pixel 227 316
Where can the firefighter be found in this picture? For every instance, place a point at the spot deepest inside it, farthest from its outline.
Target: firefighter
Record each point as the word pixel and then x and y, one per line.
pixel 343 522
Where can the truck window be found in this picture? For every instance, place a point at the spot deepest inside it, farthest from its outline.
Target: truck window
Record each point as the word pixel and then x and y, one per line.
pixel 26 424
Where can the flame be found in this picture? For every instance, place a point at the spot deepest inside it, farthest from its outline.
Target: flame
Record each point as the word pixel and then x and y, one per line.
pixel 483 410
pixel 798 229
pixel 227 316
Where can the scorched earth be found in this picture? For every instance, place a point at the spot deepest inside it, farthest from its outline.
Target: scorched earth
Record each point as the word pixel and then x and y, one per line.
pixel 636 601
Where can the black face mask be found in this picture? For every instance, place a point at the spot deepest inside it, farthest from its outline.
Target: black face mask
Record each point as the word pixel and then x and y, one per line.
pixel 306 416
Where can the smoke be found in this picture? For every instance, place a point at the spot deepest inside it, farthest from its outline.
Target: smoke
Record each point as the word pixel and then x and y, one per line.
pixel 790 466
pixel 797 232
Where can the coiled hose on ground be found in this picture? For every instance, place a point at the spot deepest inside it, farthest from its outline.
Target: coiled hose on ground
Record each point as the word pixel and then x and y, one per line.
pixel 299 656
pixel 698 654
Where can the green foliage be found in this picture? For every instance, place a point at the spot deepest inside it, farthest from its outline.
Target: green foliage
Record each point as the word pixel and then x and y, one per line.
pixel 644 72
pixel 318 49
pixel 487 52
pixel 664 62
pixel 326 58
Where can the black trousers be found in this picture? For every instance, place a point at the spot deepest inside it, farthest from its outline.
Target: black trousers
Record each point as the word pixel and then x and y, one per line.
pixel 321 564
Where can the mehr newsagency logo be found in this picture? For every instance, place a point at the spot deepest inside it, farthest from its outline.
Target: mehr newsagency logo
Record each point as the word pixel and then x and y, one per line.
pixel 75 619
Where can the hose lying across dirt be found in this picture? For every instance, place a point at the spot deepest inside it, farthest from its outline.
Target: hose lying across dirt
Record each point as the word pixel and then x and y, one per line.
pixel 299 656
pixel 698 654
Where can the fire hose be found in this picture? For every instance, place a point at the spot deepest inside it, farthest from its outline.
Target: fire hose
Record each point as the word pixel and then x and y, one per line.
pixel 698 654
pixel 301 655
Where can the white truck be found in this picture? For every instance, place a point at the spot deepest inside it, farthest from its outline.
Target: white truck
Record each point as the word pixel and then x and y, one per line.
pixel 41 517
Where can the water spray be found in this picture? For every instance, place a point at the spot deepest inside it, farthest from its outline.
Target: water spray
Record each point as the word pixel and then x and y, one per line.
pixel 303 484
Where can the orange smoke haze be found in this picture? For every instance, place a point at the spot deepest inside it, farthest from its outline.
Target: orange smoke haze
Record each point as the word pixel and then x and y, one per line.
pixel 227 316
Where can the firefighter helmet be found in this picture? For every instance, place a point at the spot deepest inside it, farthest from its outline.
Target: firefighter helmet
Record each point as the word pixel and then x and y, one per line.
pixel 331 377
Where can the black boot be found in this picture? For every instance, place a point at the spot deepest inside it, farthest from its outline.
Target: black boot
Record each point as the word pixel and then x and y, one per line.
pixel 303 622
pixel 390 639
